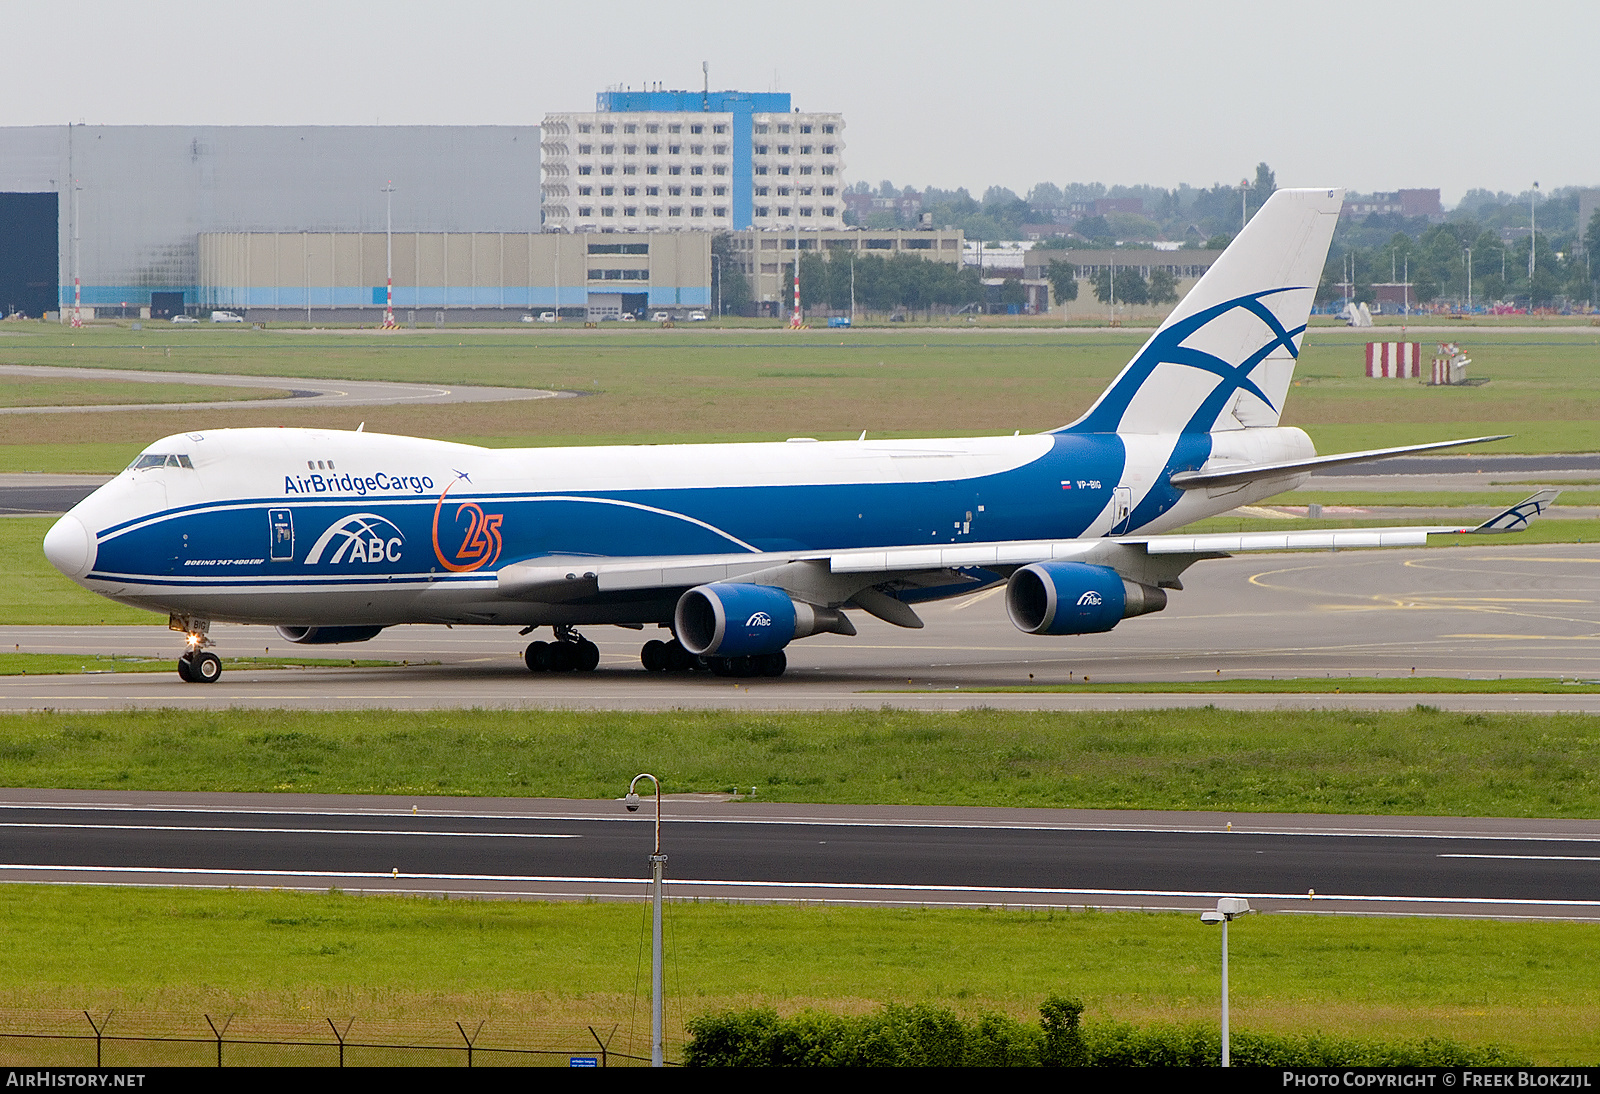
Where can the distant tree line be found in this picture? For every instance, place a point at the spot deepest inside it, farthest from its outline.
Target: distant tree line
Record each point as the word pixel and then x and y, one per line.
pixel 1185 213
pixel 882 284
pixel 1434 258
pixel 1381 246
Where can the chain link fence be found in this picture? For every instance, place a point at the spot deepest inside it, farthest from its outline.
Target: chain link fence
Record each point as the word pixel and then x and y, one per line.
pixel 41 1038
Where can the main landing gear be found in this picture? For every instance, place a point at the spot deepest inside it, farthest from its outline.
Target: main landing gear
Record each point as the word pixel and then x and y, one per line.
pixel 197 665
pixel 659 656
pixel 570 652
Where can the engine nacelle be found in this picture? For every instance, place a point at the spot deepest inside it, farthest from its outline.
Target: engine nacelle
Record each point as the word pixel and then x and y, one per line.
pixel 734 620
pixel 327 636
pixel 1075 598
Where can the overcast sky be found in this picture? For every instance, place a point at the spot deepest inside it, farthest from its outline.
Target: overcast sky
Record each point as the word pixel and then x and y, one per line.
pixel 1366 95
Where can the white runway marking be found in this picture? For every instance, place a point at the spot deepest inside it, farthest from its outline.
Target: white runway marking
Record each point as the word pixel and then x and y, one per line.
pixel 1532 858
pixel 285 831
pixel 793 889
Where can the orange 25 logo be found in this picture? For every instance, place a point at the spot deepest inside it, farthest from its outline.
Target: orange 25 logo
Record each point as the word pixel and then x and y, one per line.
pixel 480 540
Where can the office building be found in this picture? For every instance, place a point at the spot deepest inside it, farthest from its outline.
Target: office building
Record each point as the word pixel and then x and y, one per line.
pixel 651 161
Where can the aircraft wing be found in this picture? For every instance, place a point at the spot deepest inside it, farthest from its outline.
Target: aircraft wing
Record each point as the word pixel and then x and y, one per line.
pixel 1234 474
pixel 881 580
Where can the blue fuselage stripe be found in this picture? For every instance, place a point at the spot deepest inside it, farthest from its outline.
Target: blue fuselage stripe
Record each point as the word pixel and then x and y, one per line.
pixel 393 540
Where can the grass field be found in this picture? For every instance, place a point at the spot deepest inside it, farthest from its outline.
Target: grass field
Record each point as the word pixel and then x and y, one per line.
pixel 1545 530
pixel 686 384
pixel 1302 685
pixel 286 961
pixel 36 593
pixel 1423 762
pixel 1430 499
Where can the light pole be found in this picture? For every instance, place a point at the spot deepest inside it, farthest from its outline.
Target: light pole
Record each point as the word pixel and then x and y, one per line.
pixel 1469 278
pixel 77 298
pixel 657 861
pixel 1229 908
pixel 1244 209
pixel 1533 240
pixel 388 254
pixel 716 275
pixel 794 195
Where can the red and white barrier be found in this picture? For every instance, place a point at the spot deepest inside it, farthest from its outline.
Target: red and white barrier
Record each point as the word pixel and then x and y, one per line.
pixel 1394 360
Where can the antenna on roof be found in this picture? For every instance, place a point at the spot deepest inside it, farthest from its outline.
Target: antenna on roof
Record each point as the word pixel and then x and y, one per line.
pixel 705 95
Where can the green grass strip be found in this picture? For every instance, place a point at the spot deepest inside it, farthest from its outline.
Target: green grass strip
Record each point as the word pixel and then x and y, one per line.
pixel 1546 530
pixel 1427 499
pixel 1534 987
pixel 1421 761
pixel 1347 685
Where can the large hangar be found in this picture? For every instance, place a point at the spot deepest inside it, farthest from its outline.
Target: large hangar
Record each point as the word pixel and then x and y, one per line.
pixel 123 207
pixel 340 277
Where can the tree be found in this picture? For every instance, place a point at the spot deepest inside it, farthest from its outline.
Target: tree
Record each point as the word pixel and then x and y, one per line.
pixel 1163 286
pixel 1063 277
pixel 1128 287
pixel 1096 229
pixel 728 282
pixel 1266 183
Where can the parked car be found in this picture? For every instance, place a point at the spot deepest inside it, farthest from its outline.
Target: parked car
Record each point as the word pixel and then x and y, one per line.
pixel 660 317
pixel 629 317
pixel 226 317
pixel 547 317
pixel 697 317
pixel 527 318
pixel 184 319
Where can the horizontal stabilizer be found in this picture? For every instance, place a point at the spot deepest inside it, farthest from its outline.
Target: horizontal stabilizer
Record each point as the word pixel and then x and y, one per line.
pixel 1520 515
pixel 1233 475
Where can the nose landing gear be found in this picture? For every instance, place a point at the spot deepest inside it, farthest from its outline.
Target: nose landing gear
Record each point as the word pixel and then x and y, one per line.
pixel 197 665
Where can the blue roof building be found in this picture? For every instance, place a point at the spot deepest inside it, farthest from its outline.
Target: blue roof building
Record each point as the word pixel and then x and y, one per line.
pixel 692 160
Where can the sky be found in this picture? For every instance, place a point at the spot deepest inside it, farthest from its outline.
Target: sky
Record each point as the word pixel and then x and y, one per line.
pixel 1365 95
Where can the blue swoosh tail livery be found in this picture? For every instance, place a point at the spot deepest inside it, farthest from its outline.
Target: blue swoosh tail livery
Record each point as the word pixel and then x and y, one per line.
pixel 740 549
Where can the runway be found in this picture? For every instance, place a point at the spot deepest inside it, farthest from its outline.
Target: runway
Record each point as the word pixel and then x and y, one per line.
pixel 761 853
pixel 1482 612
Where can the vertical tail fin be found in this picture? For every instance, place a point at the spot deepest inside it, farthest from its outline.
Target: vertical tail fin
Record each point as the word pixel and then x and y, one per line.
pixel 1224 357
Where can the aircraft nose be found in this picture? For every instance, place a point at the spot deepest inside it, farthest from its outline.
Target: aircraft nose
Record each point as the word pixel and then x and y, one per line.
pixel 69 547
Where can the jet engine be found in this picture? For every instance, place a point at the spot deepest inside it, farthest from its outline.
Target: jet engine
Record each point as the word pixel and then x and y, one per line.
pixel 733 620
pixel 1075 598
pixel 327 636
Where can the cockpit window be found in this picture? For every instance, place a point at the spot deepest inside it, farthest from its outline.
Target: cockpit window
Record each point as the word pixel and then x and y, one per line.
pixel 152 459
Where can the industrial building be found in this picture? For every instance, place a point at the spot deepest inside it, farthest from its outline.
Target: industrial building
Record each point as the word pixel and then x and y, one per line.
pixel 651 161
pixel 121 209
pixel 339 277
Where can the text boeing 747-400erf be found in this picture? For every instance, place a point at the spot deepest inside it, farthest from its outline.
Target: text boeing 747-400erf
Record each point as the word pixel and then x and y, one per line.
pixel 741 549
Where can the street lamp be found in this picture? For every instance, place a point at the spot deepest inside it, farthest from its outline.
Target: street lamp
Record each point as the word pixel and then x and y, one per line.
pixel 1469 278
pixel 657 861
pixel 77 279
pixel 388 255
pixel 1533 240
pixel 1229 908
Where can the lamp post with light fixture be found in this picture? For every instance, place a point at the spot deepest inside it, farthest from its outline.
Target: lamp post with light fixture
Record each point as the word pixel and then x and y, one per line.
pixel 657 861
pixel 1229 908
